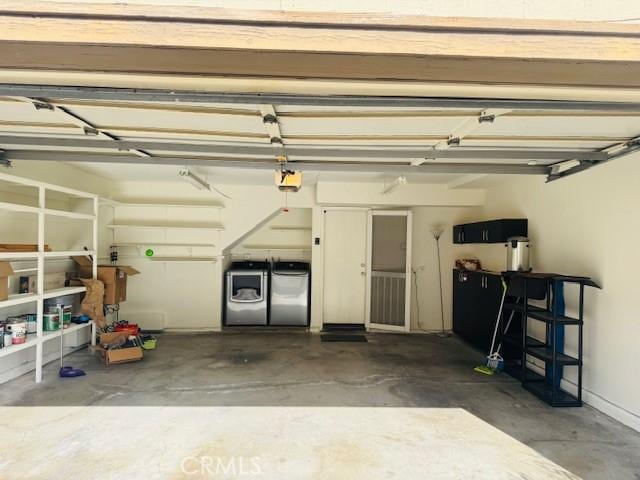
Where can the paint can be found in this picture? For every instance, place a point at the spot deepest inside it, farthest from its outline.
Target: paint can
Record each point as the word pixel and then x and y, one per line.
pixel 32 322
pixel 18 332
pixel 66 314
pixel 50 322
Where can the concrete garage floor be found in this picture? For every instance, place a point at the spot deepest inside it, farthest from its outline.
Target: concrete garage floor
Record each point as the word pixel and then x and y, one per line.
pixel 278 369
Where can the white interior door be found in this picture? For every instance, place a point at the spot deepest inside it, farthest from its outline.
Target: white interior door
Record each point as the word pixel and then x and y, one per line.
pixel 345 267
pixel 388 305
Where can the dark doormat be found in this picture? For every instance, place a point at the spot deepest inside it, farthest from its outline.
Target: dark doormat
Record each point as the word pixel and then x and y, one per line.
pixel 343 327
pixel 343 338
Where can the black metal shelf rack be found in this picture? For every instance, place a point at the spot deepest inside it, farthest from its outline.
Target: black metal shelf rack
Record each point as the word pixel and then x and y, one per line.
pixel 546 387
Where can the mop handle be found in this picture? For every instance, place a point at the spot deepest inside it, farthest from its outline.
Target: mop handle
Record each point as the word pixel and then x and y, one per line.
pixel 495 330
pixel 61 328
pixel 507 327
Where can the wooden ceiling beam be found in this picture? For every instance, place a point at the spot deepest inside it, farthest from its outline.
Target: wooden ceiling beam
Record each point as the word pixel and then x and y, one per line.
pixel 158 40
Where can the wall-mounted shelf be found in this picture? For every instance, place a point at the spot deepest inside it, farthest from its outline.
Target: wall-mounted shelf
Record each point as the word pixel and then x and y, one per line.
pixel 16 207
pixel 18 255
pixel 135 204
pixel 290 227
pixel 161 244
pixel 18 299
pixel 22 271
pixel 276 247
pixel 65 214
pixel 140 226
pixel 69 254
pixel 61 292
pixel 491 231
pixel 184 259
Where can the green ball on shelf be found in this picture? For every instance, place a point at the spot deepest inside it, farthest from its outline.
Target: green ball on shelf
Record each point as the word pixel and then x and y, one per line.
pixel 149 252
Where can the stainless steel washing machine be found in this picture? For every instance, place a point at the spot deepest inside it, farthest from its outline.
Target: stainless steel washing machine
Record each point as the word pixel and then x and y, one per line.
pixel 247 293
pixel 290 294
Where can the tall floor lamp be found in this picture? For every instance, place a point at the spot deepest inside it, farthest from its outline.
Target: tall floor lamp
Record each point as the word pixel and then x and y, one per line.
pixel 437 233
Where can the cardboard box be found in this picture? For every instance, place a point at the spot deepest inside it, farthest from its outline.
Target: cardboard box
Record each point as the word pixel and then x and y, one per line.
pixel 51 281
pixel 113 277
pixel 118 355
pixel 22 247
pixel 5 271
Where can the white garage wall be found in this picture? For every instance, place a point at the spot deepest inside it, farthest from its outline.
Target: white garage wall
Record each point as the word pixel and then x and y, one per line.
pixel 425 290
pixel 187 296
pixel 588 225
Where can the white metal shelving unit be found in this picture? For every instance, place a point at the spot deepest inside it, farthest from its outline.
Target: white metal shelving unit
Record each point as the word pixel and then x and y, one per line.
pixel 40 257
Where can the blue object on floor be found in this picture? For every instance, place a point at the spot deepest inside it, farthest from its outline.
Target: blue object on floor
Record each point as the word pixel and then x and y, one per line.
pixel 69 372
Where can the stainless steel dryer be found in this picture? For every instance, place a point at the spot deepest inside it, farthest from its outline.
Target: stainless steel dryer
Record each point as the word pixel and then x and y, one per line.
pixel 247 293
pixel 290 294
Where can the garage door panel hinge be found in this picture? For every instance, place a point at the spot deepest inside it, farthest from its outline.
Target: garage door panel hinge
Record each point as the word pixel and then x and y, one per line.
pixel 40 105
pixel 486 118
pixel 4 161
pixel 452 140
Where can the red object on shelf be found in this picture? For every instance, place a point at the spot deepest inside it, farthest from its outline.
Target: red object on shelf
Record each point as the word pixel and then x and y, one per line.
pixel 131 328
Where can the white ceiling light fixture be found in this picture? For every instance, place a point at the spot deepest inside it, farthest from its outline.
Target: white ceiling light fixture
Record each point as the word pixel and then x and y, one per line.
pixel 198 182
pixel 193 179
pixel 401 180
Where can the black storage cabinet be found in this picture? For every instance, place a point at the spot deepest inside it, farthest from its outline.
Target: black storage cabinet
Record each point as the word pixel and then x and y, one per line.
pixel 476 303
pixel 492 231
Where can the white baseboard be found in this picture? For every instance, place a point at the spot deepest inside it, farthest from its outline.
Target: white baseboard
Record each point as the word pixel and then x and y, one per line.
pixel 30 366
pixel 598 402
pixel 192 330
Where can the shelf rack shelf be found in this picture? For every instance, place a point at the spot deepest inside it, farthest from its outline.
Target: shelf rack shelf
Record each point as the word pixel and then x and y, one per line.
pixel 141 226
pixel 546 387
pixel 41 256
pixel 277 247
pixel 134 204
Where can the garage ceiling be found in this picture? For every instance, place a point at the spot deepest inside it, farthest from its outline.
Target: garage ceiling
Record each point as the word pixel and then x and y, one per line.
pixel 425 142
pixel 318 92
